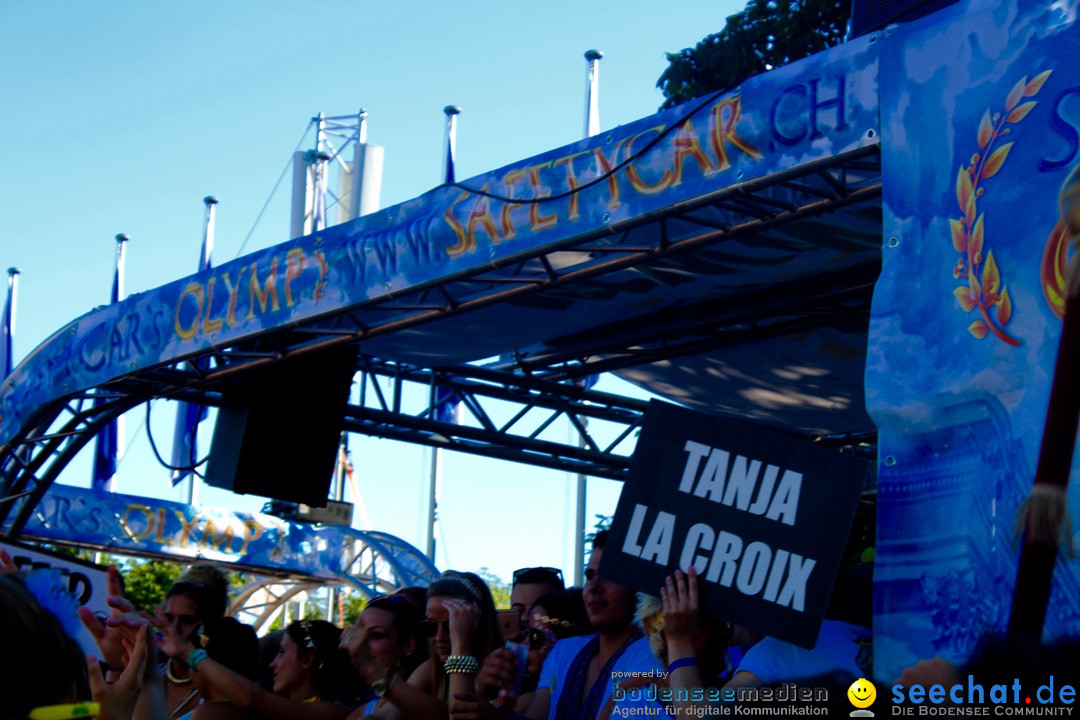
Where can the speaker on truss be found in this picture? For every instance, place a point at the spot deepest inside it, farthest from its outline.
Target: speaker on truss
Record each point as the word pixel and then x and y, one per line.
pixel 278 427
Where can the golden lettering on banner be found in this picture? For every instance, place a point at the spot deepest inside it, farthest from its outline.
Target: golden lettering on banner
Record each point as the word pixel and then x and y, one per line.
pixel 141 522
pixel 471 215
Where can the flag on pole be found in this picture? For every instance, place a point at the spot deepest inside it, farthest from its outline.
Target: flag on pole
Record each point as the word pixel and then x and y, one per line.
pixel 452 112
pixel 447 406
pixel 106 450
pixel 7 325
pixel 188 416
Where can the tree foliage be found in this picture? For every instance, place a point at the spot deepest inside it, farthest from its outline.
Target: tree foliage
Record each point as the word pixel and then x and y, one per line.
pixel 500 589
pixel 312 611
pixel 146 581
pixel 766 34
pixel 354 604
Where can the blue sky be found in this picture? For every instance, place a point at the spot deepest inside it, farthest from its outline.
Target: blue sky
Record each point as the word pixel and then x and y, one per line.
pixel 120 116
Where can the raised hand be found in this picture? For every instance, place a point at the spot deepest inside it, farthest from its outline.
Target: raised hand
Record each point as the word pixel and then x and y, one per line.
pixel 680 597
pixel 463 618
pixel 117 700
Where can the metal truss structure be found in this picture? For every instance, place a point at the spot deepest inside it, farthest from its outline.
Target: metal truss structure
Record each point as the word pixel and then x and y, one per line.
pixel 542 381
pixel 374 563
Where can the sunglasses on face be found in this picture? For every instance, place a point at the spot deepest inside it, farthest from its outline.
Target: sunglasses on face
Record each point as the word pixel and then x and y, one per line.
pixel 540 638
pixel 538 575
pixel 391 599
pixel 430 628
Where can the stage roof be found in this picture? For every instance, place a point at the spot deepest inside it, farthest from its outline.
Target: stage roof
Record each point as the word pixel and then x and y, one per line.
pixel 721 254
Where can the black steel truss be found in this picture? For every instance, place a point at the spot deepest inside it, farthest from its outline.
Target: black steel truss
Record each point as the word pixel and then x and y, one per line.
pixel 539 383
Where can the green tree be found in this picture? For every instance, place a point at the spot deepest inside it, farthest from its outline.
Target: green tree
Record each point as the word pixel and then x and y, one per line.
pixel 146 581
pixel 500 589
pixel 765 35
pixel 312 611
pixel 354 605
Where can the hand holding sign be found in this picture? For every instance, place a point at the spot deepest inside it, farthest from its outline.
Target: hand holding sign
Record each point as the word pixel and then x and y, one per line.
pixel 679 595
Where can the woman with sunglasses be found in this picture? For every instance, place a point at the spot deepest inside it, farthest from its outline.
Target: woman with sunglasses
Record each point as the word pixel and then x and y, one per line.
pixel 463 627
pixel 312 678
pixel 383 648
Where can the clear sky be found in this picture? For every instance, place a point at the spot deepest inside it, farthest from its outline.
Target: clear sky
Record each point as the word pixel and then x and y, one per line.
pixel 120 116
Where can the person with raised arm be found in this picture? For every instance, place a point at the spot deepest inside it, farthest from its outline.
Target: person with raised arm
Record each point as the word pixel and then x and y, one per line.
pixel 382 646
pixel 312 677
pixel 463 627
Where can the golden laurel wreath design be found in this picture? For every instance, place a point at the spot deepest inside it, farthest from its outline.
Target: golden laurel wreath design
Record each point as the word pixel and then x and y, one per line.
pixel 1052 270
pixel 983 289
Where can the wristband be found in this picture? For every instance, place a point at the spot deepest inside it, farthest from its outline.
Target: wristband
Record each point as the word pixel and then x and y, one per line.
pixel 681 663
pixel 65 712
pixel 466 664
pixel 195 657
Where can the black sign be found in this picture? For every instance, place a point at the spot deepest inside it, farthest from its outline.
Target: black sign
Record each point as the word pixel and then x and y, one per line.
pixel 762 517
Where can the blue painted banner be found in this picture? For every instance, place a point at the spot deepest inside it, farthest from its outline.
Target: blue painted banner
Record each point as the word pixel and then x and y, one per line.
pixel 137 525
pixel 980 117
pixel 814 109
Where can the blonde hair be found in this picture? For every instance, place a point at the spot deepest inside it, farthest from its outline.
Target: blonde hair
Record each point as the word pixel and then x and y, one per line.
pixel 650 616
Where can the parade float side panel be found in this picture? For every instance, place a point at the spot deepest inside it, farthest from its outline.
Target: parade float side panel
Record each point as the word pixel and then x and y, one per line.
pixel 980 107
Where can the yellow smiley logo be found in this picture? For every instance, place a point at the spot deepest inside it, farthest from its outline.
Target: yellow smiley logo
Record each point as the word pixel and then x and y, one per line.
pixel 862 693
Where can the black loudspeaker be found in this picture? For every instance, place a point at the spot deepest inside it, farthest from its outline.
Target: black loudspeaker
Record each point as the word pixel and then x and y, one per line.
pixel 278 427
pixel 870 15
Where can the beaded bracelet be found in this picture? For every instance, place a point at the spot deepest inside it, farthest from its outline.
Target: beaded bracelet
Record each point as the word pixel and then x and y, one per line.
pixel 195 657
pixel 682 662
pixel 466 664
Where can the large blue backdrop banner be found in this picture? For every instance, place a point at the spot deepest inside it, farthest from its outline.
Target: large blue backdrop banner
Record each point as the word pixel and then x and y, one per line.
pixel 979 114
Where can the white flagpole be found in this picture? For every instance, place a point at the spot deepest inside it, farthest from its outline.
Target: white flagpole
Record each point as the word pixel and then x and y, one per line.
pixel 451 111
pixel 204 264
pixel 121 255
pixel 592 93
pixel 435 473
pixel 7 354
pixel 318 195
pixel 434 484
pixel 208 236
pixel 580 487
pixel 118 295
pixel 592 127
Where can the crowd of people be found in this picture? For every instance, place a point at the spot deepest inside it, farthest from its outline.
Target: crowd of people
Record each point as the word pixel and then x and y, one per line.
pixel 438 653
